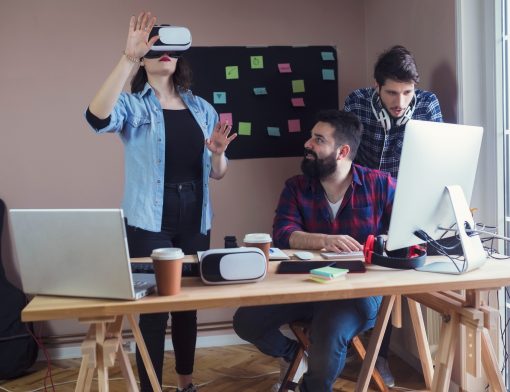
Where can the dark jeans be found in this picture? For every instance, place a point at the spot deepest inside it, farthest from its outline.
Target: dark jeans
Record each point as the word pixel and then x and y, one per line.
pixel 333 324
pixel 385 344
pixel 182 209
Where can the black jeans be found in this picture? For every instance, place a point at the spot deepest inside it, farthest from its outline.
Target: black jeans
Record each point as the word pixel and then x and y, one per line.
pixel 182 212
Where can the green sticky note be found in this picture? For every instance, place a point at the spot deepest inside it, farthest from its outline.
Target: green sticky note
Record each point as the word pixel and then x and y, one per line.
pixel 257 62
pixel 232 72
pixel 273 131
pixel 327 56
pixel 298 86
pixel 219 97
pixel 259 91
pixel 244 128
pixel 328 74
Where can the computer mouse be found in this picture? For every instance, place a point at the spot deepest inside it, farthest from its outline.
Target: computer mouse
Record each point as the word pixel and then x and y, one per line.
pixel 302 255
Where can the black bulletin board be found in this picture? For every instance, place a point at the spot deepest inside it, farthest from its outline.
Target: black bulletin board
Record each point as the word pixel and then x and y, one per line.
pixel 315 66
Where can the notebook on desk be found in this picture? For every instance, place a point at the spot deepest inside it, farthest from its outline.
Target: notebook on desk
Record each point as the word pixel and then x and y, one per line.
pixel 75 252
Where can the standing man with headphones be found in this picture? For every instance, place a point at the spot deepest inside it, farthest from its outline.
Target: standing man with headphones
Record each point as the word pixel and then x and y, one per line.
pixel 384 111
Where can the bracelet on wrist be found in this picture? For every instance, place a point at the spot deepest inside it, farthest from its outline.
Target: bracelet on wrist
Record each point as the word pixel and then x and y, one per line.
pixel 130 58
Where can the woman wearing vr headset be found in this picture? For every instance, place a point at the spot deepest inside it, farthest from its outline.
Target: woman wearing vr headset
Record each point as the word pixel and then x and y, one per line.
pixel 173 145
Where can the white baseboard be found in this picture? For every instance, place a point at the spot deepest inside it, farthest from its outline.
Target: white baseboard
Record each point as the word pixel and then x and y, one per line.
pixel 73 351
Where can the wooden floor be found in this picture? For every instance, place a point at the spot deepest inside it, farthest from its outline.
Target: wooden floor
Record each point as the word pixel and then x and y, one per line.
pixel 226 369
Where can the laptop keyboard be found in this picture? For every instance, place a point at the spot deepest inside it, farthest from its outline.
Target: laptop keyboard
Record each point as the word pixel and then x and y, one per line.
pixel 140 284
pixel 142 268
pixel 188 269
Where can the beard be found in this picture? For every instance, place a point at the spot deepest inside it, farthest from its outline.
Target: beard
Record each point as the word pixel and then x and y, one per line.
pixel 318 168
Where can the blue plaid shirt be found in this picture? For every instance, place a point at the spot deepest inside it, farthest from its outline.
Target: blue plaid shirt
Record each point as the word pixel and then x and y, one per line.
pixel 379 149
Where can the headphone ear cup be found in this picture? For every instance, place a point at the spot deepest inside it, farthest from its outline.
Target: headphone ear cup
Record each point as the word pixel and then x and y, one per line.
pixel 384 119
pixel 379 245
pixel 368 248
pixel 380 113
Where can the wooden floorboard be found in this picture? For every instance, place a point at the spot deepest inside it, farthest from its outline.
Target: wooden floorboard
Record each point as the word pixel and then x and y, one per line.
pixel 226 369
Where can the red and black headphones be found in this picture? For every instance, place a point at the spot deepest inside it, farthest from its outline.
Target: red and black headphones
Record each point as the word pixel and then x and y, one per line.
pixel 405 258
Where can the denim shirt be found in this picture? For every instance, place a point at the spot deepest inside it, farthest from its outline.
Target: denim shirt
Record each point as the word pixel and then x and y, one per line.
pixel 138 120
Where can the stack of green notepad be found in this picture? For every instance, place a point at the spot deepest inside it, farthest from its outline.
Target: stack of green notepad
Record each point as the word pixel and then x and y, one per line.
pixel 327 274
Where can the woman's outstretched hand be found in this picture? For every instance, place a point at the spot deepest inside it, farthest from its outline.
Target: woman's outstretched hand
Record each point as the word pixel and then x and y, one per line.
pixel 220 139
pixel 138 43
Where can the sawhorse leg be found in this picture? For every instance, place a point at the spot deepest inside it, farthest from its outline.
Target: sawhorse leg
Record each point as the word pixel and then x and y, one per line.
pixel 102 346
pixel 446 353
pixel 421 341
pixel 375 343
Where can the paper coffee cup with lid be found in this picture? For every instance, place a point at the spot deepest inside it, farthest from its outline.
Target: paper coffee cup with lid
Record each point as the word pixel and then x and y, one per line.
pixel 259 240
pixel 168 269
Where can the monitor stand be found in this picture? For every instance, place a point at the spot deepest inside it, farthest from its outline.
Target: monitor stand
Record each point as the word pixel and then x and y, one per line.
pixel 474 254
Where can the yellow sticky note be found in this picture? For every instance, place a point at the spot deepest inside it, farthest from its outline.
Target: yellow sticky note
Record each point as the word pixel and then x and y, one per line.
pixel 257 62
pixel 244 128
pixel 232 72
pixel 298 86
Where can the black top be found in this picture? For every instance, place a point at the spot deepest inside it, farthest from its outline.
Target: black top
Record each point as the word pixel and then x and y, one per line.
pixel 184 147
pixel 96 122
pixel 184 144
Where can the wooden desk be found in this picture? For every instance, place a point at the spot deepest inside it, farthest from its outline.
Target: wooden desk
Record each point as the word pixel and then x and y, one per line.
pixel 106 316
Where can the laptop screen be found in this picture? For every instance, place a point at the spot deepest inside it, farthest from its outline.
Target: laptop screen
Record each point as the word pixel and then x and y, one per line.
pixel 72 252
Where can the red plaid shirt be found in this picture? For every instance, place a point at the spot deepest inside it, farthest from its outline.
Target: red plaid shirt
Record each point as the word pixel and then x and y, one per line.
pixel 365 208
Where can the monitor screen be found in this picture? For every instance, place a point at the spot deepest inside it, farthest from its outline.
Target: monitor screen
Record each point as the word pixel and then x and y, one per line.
pixel 434 155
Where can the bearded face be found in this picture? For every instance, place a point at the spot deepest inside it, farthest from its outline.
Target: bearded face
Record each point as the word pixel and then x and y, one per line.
pixel 314 167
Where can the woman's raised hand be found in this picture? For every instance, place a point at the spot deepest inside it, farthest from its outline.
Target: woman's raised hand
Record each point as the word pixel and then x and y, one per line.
pixel 138 43
pixel 220 139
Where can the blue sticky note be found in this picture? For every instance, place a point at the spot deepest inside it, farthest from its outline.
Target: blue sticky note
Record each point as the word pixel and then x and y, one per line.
pixel 328 74
pixel 219 97
pixel 273 131
pixel 259 91
pixel 327 56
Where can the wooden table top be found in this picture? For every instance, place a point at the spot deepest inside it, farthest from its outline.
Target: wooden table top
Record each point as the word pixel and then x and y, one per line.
pixel 274 289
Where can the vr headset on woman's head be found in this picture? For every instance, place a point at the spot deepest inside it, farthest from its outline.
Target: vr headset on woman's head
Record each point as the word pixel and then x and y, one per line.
pixel 172 40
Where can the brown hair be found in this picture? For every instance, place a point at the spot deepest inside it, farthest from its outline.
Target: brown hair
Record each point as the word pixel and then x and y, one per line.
pixel 396 63
pixel 348 128
pixel 181 77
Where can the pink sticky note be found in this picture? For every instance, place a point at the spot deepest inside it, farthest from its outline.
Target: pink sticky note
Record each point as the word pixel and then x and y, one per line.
pixel 284 68
pixel 294 125
pixel 226 118
pixel 297 102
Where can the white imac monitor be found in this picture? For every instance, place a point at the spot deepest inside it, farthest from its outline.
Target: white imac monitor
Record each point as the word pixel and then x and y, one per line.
pixel 435 182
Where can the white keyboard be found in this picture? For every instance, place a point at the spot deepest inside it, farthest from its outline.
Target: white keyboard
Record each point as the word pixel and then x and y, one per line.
pixel 342 255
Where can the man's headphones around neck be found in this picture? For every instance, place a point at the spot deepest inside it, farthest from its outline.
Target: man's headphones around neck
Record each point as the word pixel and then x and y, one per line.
pixel 384 118
pixel 405 258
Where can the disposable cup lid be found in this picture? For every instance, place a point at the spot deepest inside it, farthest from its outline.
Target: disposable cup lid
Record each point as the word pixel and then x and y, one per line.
pixel 167 254
pixel 257 237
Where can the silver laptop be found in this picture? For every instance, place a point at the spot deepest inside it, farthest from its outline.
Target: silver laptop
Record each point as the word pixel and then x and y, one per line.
pixel 75 252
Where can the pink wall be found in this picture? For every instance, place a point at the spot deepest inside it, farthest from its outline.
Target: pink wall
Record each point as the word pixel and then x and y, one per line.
pixel 57 53
pixel 427 28
pixel 48 156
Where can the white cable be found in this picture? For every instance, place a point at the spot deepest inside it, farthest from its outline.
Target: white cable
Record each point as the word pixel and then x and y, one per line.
pixel 488 233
